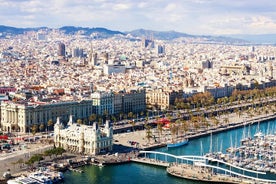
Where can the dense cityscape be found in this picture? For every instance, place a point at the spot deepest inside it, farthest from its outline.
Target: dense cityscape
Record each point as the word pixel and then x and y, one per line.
pixel 78 104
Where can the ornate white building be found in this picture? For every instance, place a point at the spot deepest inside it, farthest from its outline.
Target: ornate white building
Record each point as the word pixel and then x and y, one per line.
pixel 84 139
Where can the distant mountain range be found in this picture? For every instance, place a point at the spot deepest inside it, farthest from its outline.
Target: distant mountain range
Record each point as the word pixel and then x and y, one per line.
pixel 14 30
pixel 173 35
pixel 89 31
pixel 256 38
pixel 161 35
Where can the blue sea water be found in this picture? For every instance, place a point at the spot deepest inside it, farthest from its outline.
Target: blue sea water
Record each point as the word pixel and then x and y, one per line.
pixel 134 173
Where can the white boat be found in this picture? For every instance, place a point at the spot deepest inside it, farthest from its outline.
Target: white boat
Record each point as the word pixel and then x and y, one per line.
pixel 22 180
pixel 41 178
pixel 258 134
pixel 178 144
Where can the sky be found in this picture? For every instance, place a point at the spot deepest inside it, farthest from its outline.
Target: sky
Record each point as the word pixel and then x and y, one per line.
pixel 199 17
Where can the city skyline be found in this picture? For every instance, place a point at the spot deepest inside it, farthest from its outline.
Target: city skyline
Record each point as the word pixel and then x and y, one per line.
pixel 211 17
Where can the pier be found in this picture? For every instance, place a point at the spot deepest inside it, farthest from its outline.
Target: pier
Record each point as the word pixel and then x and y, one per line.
pixel 198 168
pixel 151 162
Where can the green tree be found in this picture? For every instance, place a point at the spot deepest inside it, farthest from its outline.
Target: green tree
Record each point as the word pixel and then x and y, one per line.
pixel 50 124
pixel 113 119
pixel 160 130
pixel 130 115
pixel 215 121
pixel 58 151
pixel 34 129
pixel 92 117
pixel 148 132
pixel 173 129
pixel 41 127
pixel 79 121
pixel 184 126
pixel 226 120
pixel 34 158
pixel 142 113
pixel 48 153
pixel 85 121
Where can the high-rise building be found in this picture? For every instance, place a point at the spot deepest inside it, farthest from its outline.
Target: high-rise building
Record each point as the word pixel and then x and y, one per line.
pixel 106 58
pixel 92 57
pixel 160 49
pixel 147 43
pixel 77 52
pixel 61 49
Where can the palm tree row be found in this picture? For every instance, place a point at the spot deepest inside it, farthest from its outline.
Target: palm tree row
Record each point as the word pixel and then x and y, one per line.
pixel 206 99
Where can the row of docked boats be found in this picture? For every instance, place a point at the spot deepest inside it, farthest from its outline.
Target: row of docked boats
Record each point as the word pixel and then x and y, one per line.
pixel 257 153
pixel 41 176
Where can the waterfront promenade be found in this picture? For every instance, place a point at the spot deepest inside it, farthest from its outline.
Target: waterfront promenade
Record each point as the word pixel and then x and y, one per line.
pixel 139 137
pixel 126 150
pixel 9 160
pixel 144 160
pixel 200 174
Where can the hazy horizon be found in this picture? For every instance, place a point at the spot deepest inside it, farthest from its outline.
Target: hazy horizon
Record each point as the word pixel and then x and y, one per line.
pixel 199 17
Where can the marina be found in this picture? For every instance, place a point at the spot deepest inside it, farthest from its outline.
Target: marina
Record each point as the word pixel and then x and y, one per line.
pixel 214 141
pixel 254 153
pixel 199 169
pixel 42 176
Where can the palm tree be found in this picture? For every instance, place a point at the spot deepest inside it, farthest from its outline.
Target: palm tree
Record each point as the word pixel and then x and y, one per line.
pixel 34 129
pixel 184 126
pixel 178 123
pixel 85 121
pixel 205 122
pixel 130 115
pixel 92 117
pixel 173 129
pixel 79 121
pixel 160 129
pixel 215 121
pixel 226 120
pixel 41 127
pixel 50 124
pixel 148 133
pixel 114 119
pixel 142 113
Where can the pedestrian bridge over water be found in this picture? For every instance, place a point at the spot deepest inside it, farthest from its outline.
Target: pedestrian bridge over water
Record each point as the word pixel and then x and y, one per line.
pixel 166 160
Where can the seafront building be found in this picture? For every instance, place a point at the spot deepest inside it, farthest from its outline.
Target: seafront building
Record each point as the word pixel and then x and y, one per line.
pixel 22 115
pixel 84 139
pixel 162 99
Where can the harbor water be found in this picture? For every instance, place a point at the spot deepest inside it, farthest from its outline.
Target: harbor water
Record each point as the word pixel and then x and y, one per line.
pixel 134 173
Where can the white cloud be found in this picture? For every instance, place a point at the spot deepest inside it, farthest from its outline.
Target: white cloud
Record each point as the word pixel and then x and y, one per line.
pixel 121 6
pixel 191 16
pixel 170 7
